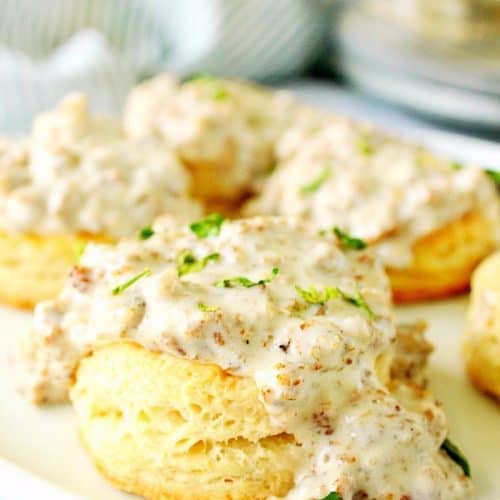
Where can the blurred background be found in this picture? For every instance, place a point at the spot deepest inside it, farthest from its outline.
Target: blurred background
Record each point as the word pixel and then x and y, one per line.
pixel 405 63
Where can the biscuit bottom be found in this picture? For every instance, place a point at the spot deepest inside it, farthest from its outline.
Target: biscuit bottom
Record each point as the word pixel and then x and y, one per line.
pixel 34 268
pixel 163 427
pixel 482 336
pixel 444 260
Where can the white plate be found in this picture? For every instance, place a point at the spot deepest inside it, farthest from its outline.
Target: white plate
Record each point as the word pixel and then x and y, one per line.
pixel 42 442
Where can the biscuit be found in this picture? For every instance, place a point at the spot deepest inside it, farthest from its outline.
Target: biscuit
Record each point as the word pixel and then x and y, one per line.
pixel 482 335
pixel 77 174
pixel 224 131
pixel 444 260
pixel 431 221
pixel 33 268
pixel 249 382
pixel 160 427
pixel 156 425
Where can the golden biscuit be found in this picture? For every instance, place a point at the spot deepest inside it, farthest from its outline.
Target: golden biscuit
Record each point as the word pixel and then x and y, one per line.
pixel 444 260
pixel 156 425
pixel 224 131
pixel 430 221
pixel 34 268
pixel 160 427
pixel 482 336
pixel 198 375
pixel 77 173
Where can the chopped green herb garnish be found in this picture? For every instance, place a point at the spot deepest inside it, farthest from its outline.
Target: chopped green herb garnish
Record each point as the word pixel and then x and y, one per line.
pixel 120 288
pixel 247 283
pixel 314 296
pixel 188 263
pixel 318 182
pixel 219 93
pixel 205 308
pixel 349 241
pixel 365 147
pixel 494 175
pixel 146 232
pixel 79 249
pixel 332 496
pixel 357 300
pixel 207 226
pixel 456 455
pixel 198 77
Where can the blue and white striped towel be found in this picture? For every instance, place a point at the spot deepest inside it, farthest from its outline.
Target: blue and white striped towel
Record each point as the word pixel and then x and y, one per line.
pixel 103 47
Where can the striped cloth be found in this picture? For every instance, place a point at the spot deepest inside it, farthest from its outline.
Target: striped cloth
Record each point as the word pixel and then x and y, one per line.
pixel 103 47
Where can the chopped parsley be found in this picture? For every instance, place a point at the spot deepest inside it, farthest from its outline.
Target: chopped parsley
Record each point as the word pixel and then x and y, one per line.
pixel 314 296
pixel 191 77
pixel 79 248
pixel 207 226
pixel 313 186
pixel 365 147
pixel 357 300
pixel 247 283
pixel 146 232
pixel 195 77
pixel 349 241
pixel 332 496
pixel 494 176
pixel 219 93
pixel 188 263
pixel 121 288
pixel 205 308
pixel 456 455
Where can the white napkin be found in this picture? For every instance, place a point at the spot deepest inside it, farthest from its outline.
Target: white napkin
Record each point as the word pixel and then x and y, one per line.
pixel 102 47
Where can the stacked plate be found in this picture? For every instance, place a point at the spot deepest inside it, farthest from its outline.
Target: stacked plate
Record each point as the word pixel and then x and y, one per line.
pixel 385 54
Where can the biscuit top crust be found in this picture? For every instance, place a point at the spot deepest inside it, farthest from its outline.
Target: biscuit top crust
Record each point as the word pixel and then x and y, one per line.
pixel 372 186
pixel 208 121
pixel 268 299
pixel 79 173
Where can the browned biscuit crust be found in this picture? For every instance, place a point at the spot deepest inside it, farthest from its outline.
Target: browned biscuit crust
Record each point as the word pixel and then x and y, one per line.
pixel 444 260
pixel 481 346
